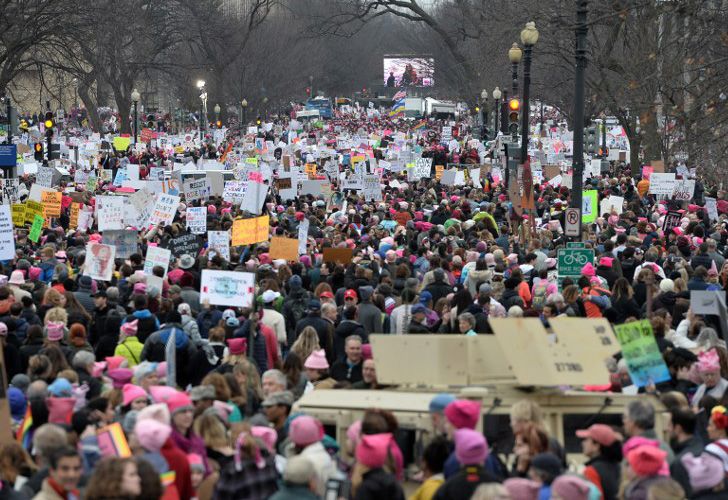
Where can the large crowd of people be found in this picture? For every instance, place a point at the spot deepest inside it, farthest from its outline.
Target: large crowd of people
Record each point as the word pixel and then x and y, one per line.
pixel 82 355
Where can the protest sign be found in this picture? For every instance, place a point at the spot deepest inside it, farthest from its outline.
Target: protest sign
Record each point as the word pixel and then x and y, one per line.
pixel 73 221
pixel 303 236
pixel 647 172
pixel 138 210
pixel 234 191
pixel 227 288
pixel 421 169
pixel 19 214
pixel 99 263
pixel 684 189
pixel 185 244
pixel 640 351
pixel 672 219
pixel 156 256
pixel 711 205
pixel 44 177
pixel 250 231
pixel 372 188
pixel 110 212
pixel 9 190
pixel 121 143
pixel 164 209
pixel 112 441
pixel 196 189
pixel 36 228
pixel 51 201
pixel 706 301
pixel 662 184
pixel 219 242
pixel 125 242
pixel 338 255
pixel 283 248
pixel 7 240
pixel 589 206
pixel 170 356
pixel 197 220
pixel 613 203
pixel 254 197
pixel 314 188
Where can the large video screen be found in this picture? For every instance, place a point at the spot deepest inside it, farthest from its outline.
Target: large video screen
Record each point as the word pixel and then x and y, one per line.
pixel 409 71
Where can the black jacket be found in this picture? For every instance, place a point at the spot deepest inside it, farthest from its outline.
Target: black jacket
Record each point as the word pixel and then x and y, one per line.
pixel 438 289
pixel 340 371
pixel 324 330
pixel 345 329
pixel 464 483
pixel 378 485
pixel 609 474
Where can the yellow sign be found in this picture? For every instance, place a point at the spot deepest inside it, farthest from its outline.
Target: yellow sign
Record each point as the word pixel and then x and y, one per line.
pixel 75 208
pixel 51 201
pixel 356 159
pixel 250 231
pixel 18 214
pixel 121 143
pixel 33 208
pixel 284 248
pixel 310 170
pixel 252 161
pixel 439 169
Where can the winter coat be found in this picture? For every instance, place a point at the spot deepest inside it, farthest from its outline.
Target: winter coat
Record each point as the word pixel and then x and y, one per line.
pixel 345 329
pixel 189 325
pixel 131 349
pixel 370 317
pixel 377 485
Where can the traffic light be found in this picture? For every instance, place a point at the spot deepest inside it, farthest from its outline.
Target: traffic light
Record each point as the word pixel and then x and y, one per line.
pixel 514 108
pixel 218 124
pixel 590 140
pixel 38 151
pixel 49 122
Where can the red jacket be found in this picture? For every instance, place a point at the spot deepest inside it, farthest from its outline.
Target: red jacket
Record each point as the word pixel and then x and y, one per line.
pixel 177 461
pixel 271 346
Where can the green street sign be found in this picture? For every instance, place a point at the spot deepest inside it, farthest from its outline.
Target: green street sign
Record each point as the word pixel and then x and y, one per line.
pixel 575 244
pixel 571 260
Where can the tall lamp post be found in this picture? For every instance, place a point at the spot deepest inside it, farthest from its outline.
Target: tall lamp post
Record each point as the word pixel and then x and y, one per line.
pixel 578 151
pixel 244 105
pixel 529 37
pixel 217 114
pixel 203 106
pixel 496 110
pixel 514 55
pixel 484 108
pixel 135 100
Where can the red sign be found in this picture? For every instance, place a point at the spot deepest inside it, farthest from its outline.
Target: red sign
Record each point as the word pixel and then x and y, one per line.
pixel 147 135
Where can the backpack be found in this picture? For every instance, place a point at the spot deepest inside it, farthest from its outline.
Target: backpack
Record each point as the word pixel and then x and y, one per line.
pixel 540 292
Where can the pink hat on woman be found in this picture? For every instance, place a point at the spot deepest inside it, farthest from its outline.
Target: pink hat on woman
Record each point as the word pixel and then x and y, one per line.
pixel 55 331
pixel 130 328
pixel 373 449
pixel 267 435
pixel 179 401
pixel 708 361
pixel 152 434
pixel 317 361
pixel 463 413
pixel 306 430
pixel 132 392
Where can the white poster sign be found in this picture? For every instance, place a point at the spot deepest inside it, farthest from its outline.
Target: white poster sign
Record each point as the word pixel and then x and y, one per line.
pixel 99 263
pixel 612 203
pixel 303 236
pixel 227 288
pixel 197 189
pixel 156 257
pixel 684 189
pixel 219 242
pixel 110 212
pixel 197 220
pixel 662 184
pixel 164 209
pixel 7 241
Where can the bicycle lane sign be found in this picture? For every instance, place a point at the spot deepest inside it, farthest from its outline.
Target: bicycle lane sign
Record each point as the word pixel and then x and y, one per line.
pixel 571 260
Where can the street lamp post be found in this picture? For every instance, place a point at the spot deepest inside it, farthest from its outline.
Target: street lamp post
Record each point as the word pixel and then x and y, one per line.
pixel 496 110
pixel 514 55
pixel 529 37
pixel 244 105
pixel 578 151
pixel 484 109
pixel 135 100
pixel 265 107
pixel 203 107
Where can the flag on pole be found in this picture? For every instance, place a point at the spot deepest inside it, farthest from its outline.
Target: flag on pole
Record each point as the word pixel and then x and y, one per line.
pixel 400 95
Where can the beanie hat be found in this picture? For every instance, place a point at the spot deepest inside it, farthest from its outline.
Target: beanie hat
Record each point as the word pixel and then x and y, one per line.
pixel 17 402
pixel 179 401
pixel 522 489
pixel 237 346
pixel 120 376
pixel 471 447
pixel 61 388
pixel 267 435
pixel 440 402
pixel 570 487
pixel 132 392
pixel 667 285
pixel 130 328
pixel 588 270
pixel 158 412
pixel 646 460
pixel 195 461
pixel 34 273
pixel 306 430
pixel 143 370
pixel 317 360
pixel 708 361
pixel 705 471
pixel 463 413
pixel 373 449
pixel 60 410
pixel 54 331
pixel 113 362
pixel 548 463
pixel 151 433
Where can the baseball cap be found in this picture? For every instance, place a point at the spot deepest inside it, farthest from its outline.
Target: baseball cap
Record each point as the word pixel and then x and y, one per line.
pixel 284 398
pixel 350 294
pixel 601 433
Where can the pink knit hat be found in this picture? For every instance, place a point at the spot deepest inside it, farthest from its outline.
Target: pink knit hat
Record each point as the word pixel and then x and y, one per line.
pixel 151 433
pixel 162 393
pixel 211 209
pixel 571 487
pixel 267 435
pixel 522 489
pixel 463 413
pixel 132 392
pixel 708 361
pixel 158 412
pixel 195 462
pixel 306 430
pixel 317 360
pixel 588 270
pixel 55 331
pixel 98 369
pixel 179 401
pixel 636 442
pixel 130 328
pixel 471 448
pixel 373 449
pixel 113 362
pixel 647 460
pixel 34 273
